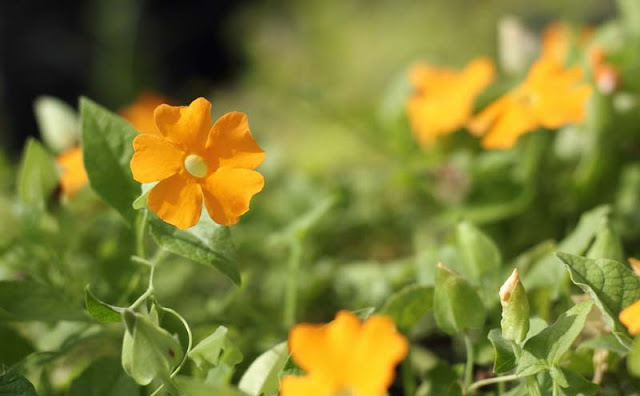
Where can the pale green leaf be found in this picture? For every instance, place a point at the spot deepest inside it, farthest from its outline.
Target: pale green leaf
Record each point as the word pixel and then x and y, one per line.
pixel 58 123
pixel 107 150
pixel 457 306
pixel 262 376
pixel 407 306
pixel 37 176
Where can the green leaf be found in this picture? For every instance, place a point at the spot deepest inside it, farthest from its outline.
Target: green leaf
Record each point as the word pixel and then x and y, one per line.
pixel 633 359
pixel 30 300
pixel 13 345
pixel 442 380
pixel 577 385
pixel 149 351
pixel 193 387
pixel 630 13
pixel 101 311
pixel 544 350
pixel 457 306
pixel 58 123
pixel 409 305
pixel 262 376
pixel 12 384
pixel 549 271
pixel 481 256
pixel 107 150
pixel 104 377
pixel 205 243
pixel 505 359
pixel 37 176
pixel 611 285
pixel 607 245
pixel 608 342
pixel 218 355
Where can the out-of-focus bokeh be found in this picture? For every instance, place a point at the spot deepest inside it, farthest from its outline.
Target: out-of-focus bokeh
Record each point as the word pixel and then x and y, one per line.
pixel 296 66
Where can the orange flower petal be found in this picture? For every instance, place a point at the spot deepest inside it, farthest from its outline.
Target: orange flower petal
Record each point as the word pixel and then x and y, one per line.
pixel 73 176
pixel 177 200
pixel 630 317
pixel 140 112
pixel 304 386
pixel 228 191
pixel 231 142
pixel 155 158
pixel 515 121
pixel 187 126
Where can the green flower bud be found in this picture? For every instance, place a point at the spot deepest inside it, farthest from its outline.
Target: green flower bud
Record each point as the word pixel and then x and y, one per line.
pixel 515 309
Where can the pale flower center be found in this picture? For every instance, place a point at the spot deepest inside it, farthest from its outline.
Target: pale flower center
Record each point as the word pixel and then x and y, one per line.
pixel 344 392
pixel 195 165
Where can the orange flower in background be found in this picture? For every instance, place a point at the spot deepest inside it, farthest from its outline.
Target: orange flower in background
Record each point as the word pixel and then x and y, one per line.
pixel 558 38
pixel 345 357
pixel 550 97
pixel 606 77
pixel 73 176
pixel 140 112
pixel 195 162
pixel 630 317
pixel 444 98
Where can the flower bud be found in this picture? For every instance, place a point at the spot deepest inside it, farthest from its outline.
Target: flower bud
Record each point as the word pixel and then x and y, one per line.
pixel 515 309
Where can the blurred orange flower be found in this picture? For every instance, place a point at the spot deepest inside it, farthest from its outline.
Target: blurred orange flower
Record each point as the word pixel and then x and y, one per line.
pixel 194 161
pixel 443 101
pixel 558 38
pixel 73 176
pixel 140 112
pixel 345 357
pixel 550 97
pixel 630 317
pixel 606 77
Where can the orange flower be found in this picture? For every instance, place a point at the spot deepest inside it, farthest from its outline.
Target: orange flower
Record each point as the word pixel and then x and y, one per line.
pixel 140 112
pixel 550 97
pixel 605 76
pixel 345 357
pixel 73 176
pixel 558 38
pixel 444 98
pixel 630 317
pixel 194 161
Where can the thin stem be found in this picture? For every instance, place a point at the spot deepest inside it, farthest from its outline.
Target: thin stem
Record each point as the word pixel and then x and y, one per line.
pixel 488 381
pixel 555 387
pixel 468 370
pixel 150 290
pixel 291 295
pixel 141 228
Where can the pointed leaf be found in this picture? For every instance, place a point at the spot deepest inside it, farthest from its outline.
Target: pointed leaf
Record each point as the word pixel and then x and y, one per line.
pixel 611 285
pixel 409 305
pixel 107 150
pixel 262 376
pixel 101 311
pixel 505 359
pixel 457 306
pixel 37 176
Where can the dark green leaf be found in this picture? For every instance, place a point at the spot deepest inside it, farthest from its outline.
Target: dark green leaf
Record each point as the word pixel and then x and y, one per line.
pixel 14 347
pixel 544 350
pixel 37 176
pixel 505 359
pixel 206 243
pixel 192 387
pixel 107 150
pixel 12 384
pixel 611 285
pixel 104 377
pixel 577 385
pixel 409 305
pixel 29 300
pixel 101 311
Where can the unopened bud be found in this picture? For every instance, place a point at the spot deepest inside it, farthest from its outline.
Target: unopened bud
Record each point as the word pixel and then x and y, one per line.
pixel 515 309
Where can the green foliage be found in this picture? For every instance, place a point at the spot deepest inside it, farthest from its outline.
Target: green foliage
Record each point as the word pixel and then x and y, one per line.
pixel 104 377
pixel 409 305
pixel 455 303
pixel 206 243
pixel 99 310
pixel 505 359
pixel 611 285
pixel 107 150
pixel 16 385
pixel 262 376
pixel 216 355
pixel 37 176
pixel 29 300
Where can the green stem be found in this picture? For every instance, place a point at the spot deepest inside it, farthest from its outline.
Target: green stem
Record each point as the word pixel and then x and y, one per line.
pixel 468 370
pixel 555 387
pixel 150 290
pixel 141 228
pixel 495 380
pixel 291 295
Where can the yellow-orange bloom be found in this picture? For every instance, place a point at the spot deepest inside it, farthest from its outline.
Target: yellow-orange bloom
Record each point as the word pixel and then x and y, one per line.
pixel 195 162
pixel 630 317
pixel 558 38
pixel 73 176
pixel 345 357
pixel 550 97
pixel 140 112
pixel 444 98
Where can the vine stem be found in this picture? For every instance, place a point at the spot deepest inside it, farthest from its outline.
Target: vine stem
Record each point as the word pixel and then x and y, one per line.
pixel 291 295
pixel 495 380
pixel 468 370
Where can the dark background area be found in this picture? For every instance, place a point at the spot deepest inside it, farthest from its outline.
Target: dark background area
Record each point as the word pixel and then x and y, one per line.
pixel 109 50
